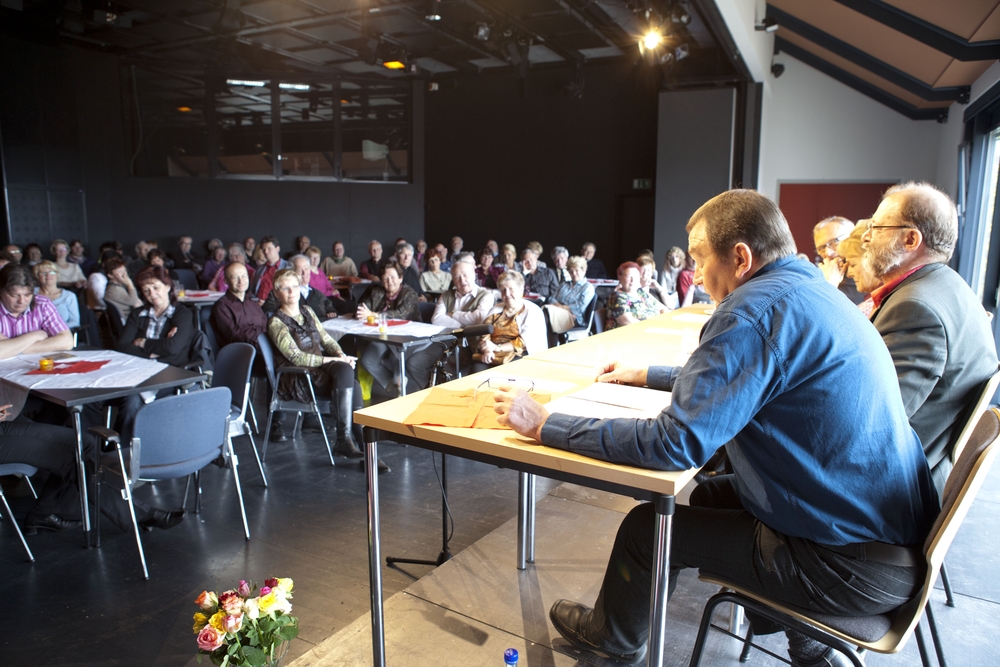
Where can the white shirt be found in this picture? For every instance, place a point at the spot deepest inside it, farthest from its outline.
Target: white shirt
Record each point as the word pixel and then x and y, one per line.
pixel 459 317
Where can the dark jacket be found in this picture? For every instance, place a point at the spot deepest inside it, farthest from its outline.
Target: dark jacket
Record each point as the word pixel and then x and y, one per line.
pixel 175 350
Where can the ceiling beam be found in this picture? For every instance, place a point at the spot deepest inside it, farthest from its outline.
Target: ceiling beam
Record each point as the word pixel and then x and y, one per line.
pixel 868 62
pixel 858 84
pixel 923 31
pixel 493 11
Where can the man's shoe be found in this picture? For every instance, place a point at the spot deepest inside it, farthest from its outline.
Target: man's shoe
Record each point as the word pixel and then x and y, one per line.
pixel 53 522
pixel 277 435
pixel 832 658
pixel 569 619
pixel 382 467
pixel 157 518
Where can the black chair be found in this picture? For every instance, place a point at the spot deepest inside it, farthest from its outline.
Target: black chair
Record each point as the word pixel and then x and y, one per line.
pixel 600 320
pixel 186 278
pixel 113 320
pixel 576 333
pixel 358 290
pixel 426 309
pixel 277 404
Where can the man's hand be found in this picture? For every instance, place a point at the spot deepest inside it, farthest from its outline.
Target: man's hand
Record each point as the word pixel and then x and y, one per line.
pixel 140 342
pixel 615 373
pixel 833 271
pixel 5 412
pixel 330 316
pixel 520 412
pixel 488 356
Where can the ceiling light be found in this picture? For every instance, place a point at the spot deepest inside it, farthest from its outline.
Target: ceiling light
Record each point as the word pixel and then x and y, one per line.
pixel 433 10
pixel 394 64
pixel 293 86
pixel 680 14
pixel 651 40
pixel 245 82
pixel 769 24
pixel 184 109
pixel 682 52
pixel 482 32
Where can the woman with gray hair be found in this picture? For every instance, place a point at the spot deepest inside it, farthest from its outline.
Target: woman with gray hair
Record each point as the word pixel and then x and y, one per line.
pixel 236 253
pixel 567 307
pixel 518 326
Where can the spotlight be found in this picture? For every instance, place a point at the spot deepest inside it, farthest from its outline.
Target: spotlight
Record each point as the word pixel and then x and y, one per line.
pixel 680 14
pixel 769 24
pixel 777 69
pixel 394 64
pixel 651 40
pixel 482 32
pixel 682 52
pixel 184 109
pixel 433 10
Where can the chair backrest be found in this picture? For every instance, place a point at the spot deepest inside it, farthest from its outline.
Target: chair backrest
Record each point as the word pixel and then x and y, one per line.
pixel 201 351
pixel 232 370
pixel 267 354
pixel 114 317
pixel 588 314
pixel 977 409
pixel 358 290
pixel 213 342
pixel 426 309
pixel 178 435
pixel 600 319
pixel 187 278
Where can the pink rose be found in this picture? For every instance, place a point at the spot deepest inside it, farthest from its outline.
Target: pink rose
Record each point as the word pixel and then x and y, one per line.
pixel 207 600
pixel 233 623
pixel 271 583
pixel 243 589
pixel 210 639
pixel 264 591
pixel 230 602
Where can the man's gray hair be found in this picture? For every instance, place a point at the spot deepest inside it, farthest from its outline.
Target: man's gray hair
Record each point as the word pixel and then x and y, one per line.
pixel 559 250
pixel 745 216
pixel 929 210
pixel 845 224
pixel 403 246
pixel 531 250
pixel 293 258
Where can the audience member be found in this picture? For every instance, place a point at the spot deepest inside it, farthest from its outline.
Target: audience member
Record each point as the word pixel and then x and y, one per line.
pixel 560 256
pixel 442 252
pixel 930 320
pixel 420 255
pixel 77 256
pixel 494 248
pixel 827 234
pixel 138 263
pixel 156 257
pixel 851 251
pixel 456 247
pixel 32 254
pixel 339 265
pixel 183 258
pixel 647 276
pixel 213 244
pixel 216 262
pixel 518 326
pixel 235 253
pixel 324 307
pixel 434 280
pixel 249 245
pixel 466 303
pixel 595 267
pixel 6 258
pixel 631 302
pixel 302 342
pixel 15 252
pixel 161 328
pixel 371 268
pixel 486 271
pixel 29 323
pixel 776 381
pixel 539 252
pixel 538 280
pixel 399 302
pixel 411 277
pixel 119 289
pixel 47 273
pixel 317 278
pixel 508 259
pixel 568 306
pixel 235 318
pixel 97 282
pixel 302 244
pixel 263 278
pixel 673 264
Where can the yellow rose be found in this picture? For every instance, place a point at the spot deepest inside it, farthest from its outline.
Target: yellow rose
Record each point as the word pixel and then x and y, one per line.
pixel 285 585
pixel 217 621
pixel 200 621
pixel 266 602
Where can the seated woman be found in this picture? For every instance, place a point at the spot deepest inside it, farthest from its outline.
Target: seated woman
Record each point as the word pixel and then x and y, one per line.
pixel 486 271
pixel 851 253
pixel 398 302
pixel 508 258
pixel 70 274
pixel 631 302
pixel 518 326
pixel 47 275
pixel 434 280
pixel 687 292
pixel 120 291
pixel 216 260
pixel 317 278
pixel 673 264
pixel 567 307
pixel 647 277
pixel 299 337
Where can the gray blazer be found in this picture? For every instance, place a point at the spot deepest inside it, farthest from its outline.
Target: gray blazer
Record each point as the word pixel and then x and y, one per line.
pixel 941 344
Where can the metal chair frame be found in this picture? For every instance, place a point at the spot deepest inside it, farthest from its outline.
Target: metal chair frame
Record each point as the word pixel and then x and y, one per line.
pixel 25 471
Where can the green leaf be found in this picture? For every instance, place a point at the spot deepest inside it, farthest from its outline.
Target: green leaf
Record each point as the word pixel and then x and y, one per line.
pixel 254 656
pixel 233 648
pixel 288 633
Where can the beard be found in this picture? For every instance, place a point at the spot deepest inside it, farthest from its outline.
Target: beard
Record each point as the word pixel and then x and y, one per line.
pixel 882 257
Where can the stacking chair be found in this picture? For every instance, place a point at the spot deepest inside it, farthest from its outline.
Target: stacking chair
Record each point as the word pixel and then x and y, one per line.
pixel 174 437
pixel 884 633
pixel 277 404
pixel 426 309
pixel 25 471
pixel 576 333
pixel 232 370
pixel 600 320
pixel 186 278
pixel 113 320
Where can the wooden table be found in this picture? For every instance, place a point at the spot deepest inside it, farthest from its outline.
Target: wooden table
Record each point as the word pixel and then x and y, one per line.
pixel 660 340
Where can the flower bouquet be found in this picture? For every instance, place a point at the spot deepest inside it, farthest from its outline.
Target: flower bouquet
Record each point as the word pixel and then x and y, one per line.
pixel 246 627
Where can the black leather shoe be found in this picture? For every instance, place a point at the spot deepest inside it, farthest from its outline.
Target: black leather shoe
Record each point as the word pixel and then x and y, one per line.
pixel 569 619
pixel 157 518
pixel 832 658
pixel 277 435
pixel 382 467
pixel 53 522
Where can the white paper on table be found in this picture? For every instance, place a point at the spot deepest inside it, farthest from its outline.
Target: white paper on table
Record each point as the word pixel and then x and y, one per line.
pixel 575 407
pixel 642 399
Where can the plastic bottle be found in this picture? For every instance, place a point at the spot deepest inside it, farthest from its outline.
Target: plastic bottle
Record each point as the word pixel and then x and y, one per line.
pixel 510 657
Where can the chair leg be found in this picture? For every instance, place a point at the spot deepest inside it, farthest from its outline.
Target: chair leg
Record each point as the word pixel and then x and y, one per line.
pixel 921 646
pixel 949 597
pixel 256 454
pixel 197 492
pixel 267 436
pixel 127 492
pixel 253 414
pixel 326 438
pixel 234 464
pixel 17 529
pixel 706 622
pixel 935 638
pixel 298 424
pixel 31 487
pixel 747 645
pixel 187 490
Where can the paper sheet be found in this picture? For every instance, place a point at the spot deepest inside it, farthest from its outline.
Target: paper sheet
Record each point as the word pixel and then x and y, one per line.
pixel 642 399
pixel 575 407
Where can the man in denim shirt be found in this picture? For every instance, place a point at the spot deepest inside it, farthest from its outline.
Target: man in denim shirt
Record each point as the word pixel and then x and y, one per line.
pixel 831 496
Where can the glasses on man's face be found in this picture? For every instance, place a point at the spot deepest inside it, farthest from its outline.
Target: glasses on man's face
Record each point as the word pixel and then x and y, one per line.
pixel 495 383
pixel 872 226
pixel 831 245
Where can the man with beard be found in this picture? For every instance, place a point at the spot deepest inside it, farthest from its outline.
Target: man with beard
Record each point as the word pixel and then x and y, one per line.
pixel 933 324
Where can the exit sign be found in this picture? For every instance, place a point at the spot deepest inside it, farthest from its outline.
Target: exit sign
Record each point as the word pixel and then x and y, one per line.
pixel 642 184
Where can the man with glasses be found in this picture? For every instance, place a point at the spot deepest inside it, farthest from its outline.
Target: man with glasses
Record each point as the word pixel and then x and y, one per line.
pixel 933 324
pixel 826 235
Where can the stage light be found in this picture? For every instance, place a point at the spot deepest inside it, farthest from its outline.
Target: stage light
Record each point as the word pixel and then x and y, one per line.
pixel 651 40
pixel 680 14
pixel 433 10
pixel 184 109
pixel 482 32
pixel 293 86
pixel 393 64
pixel 245 82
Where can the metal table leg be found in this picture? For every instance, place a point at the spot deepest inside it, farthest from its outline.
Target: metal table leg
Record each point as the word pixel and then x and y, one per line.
pixel 531 519
pixel 661 570
pixel 522 519
pixel 374 548
pixel 81 473
pixel 402 370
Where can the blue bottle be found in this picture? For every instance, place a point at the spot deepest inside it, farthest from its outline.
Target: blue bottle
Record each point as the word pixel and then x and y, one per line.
pixel 510 657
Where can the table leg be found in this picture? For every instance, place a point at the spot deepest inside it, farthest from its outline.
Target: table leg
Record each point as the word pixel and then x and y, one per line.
pixel 661 570
pixel 523 502
pixel 81 473
pixel 374 549
pixel 531 519
pixel 402 370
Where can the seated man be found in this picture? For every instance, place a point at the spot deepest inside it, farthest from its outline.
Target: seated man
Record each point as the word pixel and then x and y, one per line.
pixel 235 318
pixel 183 259
pixel 595 267
pixel 466 303
pixel 263 278
pixel 933 324
pixel 411 277
pixel 827 234
pixel 324 307
pixel 371 268
pixel 538 279
pixel 831 497
pixel 28 323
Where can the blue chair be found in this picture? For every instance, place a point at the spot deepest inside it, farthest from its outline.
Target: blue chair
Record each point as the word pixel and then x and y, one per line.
pixel 232 370
pixel 186 278
pixel 25 471
pixel 174 437
pixel 314 406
